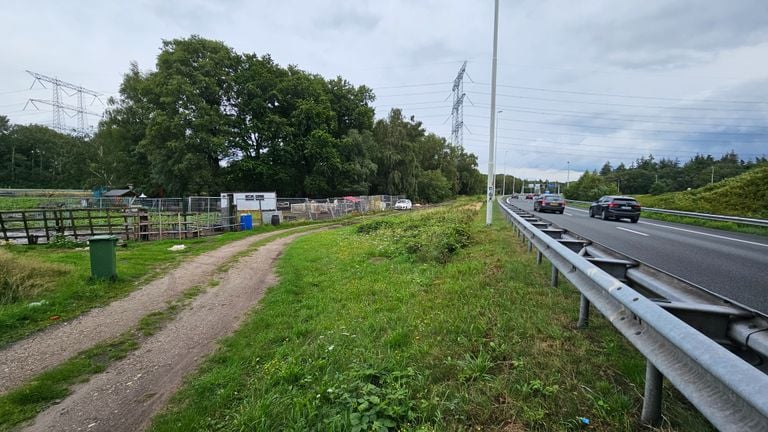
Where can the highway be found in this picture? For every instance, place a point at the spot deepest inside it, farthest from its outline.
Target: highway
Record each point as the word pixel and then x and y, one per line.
pixel 733 265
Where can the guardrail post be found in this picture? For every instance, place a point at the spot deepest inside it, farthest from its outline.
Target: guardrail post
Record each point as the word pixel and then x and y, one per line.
pixel 538 257
pixel 583 312
pixel 530 245
pixel 654 382
pixel 555 275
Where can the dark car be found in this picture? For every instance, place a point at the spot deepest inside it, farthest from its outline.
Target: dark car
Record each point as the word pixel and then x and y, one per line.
pixel 529 196
pixel 549 202
pixel 615 207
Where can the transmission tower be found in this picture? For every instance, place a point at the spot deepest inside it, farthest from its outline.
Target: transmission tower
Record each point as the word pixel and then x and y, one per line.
pixel 457 112
pixel 60 108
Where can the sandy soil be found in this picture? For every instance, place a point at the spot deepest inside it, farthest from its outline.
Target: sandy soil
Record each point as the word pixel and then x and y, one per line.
pixel 129 392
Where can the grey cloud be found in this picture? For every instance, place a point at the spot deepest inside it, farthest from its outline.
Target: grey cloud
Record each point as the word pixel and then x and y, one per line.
pixel 676 34
pixel 350 20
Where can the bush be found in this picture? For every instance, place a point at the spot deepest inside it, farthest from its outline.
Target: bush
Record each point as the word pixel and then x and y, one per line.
pixel 429 236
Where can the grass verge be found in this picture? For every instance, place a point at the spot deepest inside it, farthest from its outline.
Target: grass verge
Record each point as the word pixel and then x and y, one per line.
pixel 428 322
pixel 725 226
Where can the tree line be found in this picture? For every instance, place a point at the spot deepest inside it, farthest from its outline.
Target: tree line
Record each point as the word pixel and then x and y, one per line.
pixel 209 119
pixel 647 175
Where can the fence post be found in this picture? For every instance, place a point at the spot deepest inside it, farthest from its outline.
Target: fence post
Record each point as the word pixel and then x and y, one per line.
pixel 654 384
pixel 555 276
pixel 74 224
pixel 583 312
pixel 2 225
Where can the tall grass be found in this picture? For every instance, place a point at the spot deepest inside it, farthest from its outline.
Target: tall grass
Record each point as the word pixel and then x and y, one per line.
pixel 25 279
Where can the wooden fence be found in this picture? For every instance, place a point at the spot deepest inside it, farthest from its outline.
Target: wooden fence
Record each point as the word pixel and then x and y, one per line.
pixel 42 225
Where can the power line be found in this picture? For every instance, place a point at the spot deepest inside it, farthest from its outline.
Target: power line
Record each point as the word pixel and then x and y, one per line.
pixel 581 144
pixel 17 91
pixel 567 113
pixel 615 104
pixel 539 131
pixel 601 154
pixel 439 83
pixel 625 95
pixel 622 129
pixel 411 94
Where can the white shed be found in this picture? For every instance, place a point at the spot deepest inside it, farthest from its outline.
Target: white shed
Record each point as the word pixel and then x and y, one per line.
pixel 246 201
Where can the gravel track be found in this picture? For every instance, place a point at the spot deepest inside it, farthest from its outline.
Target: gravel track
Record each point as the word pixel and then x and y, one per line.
pixel 126 395
pixel 130 391
pixel 27 358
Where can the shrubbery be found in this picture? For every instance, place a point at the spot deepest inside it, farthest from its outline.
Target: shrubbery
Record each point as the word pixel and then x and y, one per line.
pixel 430 236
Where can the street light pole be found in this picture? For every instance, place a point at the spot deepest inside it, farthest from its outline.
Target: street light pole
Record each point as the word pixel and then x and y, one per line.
pixel 491 168
pixel 504 170
pixel 496 153
pixel 568 178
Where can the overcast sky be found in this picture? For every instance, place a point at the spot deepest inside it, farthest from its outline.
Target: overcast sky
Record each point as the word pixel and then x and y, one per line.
pixel 580 83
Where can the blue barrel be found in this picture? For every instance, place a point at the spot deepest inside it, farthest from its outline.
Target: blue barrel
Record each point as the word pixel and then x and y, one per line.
pixel 246 222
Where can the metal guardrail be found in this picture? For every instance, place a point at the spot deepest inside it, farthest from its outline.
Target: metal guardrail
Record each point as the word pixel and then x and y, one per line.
pixel 731 393
pixel 708 216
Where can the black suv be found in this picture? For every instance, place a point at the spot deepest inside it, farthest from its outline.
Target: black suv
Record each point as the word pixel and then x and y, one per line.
pixel 615 207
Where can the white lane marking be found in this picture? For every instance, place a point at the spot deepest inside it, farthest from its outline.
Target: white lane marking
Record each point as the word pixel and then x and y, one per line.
pixel 569 214
pixel 632 231
pixel 578 209
pixel 707 234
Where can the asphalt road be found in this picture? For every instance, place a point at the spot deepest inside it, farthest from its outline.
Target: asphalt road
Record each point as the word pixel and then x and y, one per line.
pixel 731 264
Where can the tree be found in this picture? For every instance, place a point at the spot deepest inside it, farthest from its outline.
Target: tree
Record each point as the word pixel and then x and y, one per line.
pixel 589 187
pixel 189 126
pixel 42 158
pixel 395 155
pixel 606 169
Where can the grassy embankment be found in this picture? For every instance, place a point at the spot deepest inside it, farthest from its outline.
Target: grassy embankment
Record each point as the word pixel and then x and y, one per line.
pixel 745 195
pixel 426 321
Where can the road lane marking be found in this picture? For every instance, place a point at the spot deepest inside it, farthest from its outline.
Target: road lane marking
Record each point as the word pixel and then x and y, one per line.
pixel 708 234
pixel 632 231
pixel 569 214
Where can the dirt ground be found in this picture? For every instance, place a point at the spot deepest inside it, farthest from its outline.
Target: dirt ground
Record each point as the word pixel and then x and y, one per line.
pixel 130 391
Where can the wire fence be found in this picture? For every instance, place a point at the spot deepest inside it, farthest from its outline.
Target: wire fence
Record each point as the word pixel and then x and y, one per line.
pixel 38 219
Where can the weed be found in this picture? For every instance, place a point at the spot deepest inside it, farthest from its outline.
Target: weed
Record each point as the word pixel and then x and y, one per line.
pixel 60 241
pixel 372 399
pixel 473 367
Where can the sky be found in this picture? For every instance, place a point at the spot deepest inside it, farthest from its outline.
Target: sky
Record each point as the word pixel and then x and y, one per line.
pixel 579 83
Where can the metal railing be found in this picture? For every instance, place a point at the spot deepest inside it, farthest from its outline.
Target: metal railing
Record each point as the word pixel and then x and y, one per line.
pixel 730 392
pixel 708 216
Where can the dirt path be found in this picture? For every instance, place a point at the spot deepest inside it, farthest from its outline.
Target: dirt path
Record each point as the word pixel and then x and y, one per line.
pixel 24 359
pixel 129 392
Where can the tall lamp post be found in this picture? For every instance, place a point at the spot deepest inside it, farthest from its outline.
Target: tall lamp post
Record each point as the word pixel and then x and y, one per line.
pixel 491 169
pixel 568 177
pixel 496 152
pixel 504 170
